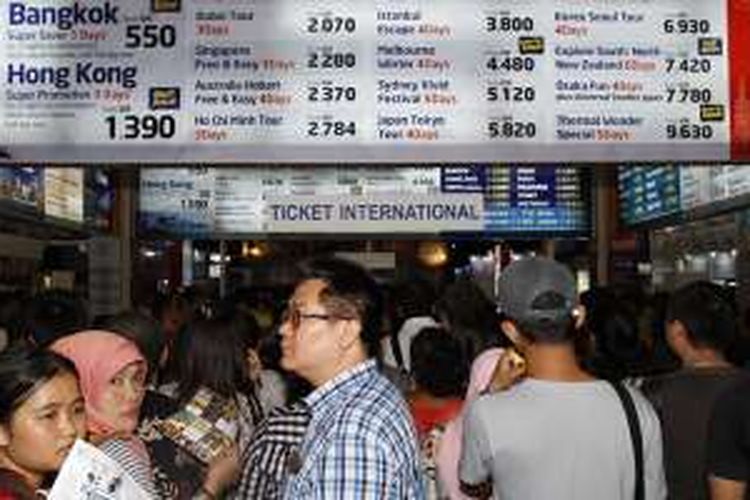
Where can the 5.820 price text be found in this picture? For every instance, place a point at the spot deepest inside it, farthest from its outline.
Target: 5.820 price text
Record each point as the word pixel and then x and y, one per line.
pixel 509 129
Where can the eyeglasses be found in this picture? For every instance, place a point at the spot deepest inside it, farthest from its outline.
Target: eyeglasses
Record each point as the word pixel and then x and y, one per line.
pixel 295 317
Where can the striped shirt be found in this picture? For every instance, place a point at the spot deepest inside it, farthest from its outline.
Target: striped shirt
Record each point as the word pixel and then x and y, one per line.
pixel 360 444
pixel 273 453
pixel 129 454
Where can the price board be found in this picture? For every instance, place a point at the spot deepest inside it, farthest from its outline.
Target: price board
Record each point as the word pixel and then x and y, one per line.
pixel 373 80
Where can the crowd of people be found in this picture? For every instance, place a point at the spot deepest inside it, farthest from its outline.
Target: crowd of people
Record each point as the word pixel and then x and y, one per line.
pixel 352 391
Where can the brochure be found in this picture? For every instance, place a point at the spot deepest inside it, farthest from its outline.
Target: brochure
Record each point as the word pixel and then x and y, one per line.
pixel 89 474
pixel 205 427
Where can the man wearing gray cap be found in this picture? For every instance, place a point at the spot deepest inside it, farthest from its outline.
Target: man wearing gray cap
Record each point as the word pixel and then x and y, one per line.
pixel 554 431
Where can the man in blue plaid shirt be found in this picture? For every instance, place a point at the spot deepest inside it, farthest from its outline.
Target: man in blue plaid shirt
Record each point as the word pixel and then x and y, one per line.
pixel 360 443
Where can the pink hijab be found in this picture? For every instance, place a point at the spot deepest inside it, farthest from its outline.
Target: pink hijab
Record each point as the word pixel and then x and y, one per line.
pixel 449 452
pixel 98 356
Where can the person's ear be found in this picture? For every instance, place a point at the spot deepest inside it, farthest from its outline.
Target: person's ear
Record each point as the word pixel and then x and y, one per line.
pixel 579 316
pixel 677 336
pixel 164 356
pixel 350 333
pixel 4 436
pixel 514 334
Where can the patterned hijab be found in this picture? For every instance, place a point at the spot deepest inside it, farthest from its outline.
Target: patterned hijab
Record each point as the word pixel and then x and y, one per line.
pixel 98 356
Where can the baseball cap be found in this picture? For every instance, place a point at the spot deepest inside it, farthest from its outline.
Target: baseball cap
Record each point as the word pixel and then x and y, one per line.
pixel 537 291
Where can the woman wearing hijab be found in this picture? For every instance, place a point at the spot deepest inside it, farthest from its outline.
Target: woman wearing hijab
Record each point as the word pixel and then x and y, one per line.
pixel 176 474
pixel 113 376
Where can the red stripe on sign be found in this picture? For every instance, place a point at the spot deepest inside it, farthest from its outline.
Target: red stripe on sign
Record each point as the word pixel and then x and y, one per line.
pixel 739 71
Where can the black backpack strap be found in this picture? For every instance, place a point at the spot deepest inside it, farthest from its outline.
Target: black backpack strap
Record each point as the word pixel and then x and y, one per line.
pixel 396 348
pixel 635 436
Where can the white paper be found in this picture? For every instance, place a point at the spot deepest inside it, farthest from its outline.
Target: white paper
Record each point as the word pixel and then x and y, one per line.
pixel 88 473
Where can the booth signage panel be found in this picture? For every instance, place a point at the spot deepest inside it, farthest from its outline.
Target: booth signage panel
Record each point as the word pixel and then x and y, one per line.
pixel 649 193
pixel 63 193
pixel 22 185
pixel 238 201
pixel 179 199
pixel 365 80
pixel 702 186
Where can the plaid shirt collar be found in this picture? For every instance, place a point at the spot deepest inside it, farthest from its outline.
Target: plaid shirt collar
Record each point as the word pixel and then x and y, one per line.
pixel 338 387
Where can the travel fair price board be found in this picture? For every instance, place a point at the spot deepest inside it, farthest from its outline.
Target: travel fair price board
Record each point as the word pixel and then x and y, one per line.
pixel 373 80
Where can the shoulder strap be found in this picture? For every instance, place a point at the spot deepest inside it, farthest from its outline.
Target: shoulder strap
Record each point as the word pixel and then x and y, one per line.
pixel 635 436
pixel 396 348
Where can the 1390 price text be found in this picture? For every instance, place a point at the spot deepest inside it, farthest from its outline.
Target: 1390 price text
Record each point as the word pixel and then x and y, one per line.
pixel 130 127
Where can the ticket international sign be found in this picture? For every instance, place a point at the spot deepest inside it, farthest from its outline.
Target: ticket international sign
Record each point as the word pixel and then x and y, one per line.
pixel 374 80
pixel 416 213
pixel 226 202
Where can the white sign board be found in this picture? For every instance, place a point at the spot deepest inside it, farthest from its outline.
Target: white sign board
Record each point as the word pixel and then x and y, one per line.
pixel 365 80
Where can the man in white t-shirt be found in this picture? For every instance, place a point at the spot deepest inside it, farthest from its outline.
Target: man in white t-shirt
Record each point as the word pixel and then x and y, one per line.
pixel 555 432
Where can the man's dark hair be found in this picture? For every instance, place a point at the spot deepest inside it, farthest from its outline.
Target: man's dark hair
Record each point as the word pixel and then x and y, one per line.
pixel 709 317
pixel 410 298
pixel 619 351
pixel 12 315
pixel 438 363
pixel 550 333
pixel 350 290
pixel 172 301
pixel 471 316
